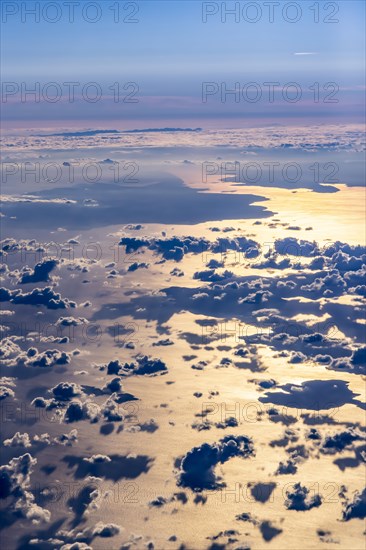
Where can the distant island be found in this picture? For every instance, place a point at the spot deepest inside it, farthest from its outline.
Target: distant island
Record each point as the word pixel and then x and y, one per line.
pixel 89 133
pixel 146 130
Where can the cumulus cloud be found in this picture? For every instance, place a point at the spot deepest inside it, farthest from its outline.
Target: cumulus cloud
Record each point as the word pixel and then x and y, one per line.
pixel 355 508
pixel 18 440
pixel 149 366
pixel 40 272
pixel 340 441
pixel 6 392
pixel 66 390
pixel 15 482
pixel 197 469
pixel 12 356
pixel 299 499
pixel 137 265
pixel 175 248
pixel 38 296
pixel 106 530
pixel 77 410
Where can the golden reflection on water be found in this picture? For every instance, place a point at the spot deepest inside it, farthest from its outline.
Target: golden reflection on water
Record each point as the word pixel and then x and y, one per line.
pixel 336 216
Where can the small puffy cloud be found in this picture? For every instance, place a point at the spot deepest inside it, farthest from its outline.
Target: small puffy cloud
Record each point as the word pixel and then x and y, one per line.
pixel 18 440
pixel 114 367
pixel 40 272
pixel 6 392
pixel 97 459
pixel 115 385
pixel 149 366
pixel 15 482
pixel 71 321
pixel 299 499
pixel 66 390
pixel 295 247
pixel 342 440
pixel 37 297
pixel 106 530
pixel 76 411
pixel 137 265
pixel 197 466
pixel 286 468
pixel 67 439
pixel 355 508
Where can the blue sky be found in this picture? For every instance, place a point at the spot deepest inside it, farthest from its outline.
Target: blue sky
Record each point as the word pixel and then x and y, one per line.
pixel 170 51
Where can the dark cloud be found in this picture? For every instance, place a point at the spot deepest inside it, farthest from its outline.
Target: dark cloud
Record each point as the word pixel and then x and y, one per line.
pixel 66 390
pixel 356 508
pixel 40 273
pixel 15 483
pixel 299 499
pixel 38 296
pixel 338 442
pixel 197 466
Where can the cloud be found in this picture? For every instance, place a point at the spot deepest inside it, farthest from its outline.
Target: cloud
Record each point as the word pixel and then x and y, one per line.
pixel 71 321
pixel 299 499
pixel 340 441
pixel 137 265
pixel 197 466
pixel 77 410
pixel 6 392
pixel 15 482
pixel 356 508
pixel 174 248
pixel 13 356
pixel 76 546
pixel 66 390
pixel 295 247
pixel 40 273
pixel 115 385
pixel 67 439
pixel 286 468
pixel 149 366
pixel 38 296
pixel 106 530
pixel 18 440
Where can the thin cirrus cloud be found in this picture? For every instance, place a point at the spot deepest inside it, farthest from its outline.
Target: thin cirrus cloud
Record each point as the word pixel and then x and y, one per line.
pixel 306 53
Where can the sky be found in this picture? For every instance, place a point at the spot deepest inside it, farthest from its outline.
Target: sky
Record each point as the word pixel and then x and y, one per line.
pixel 182 325
pixel 168 52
